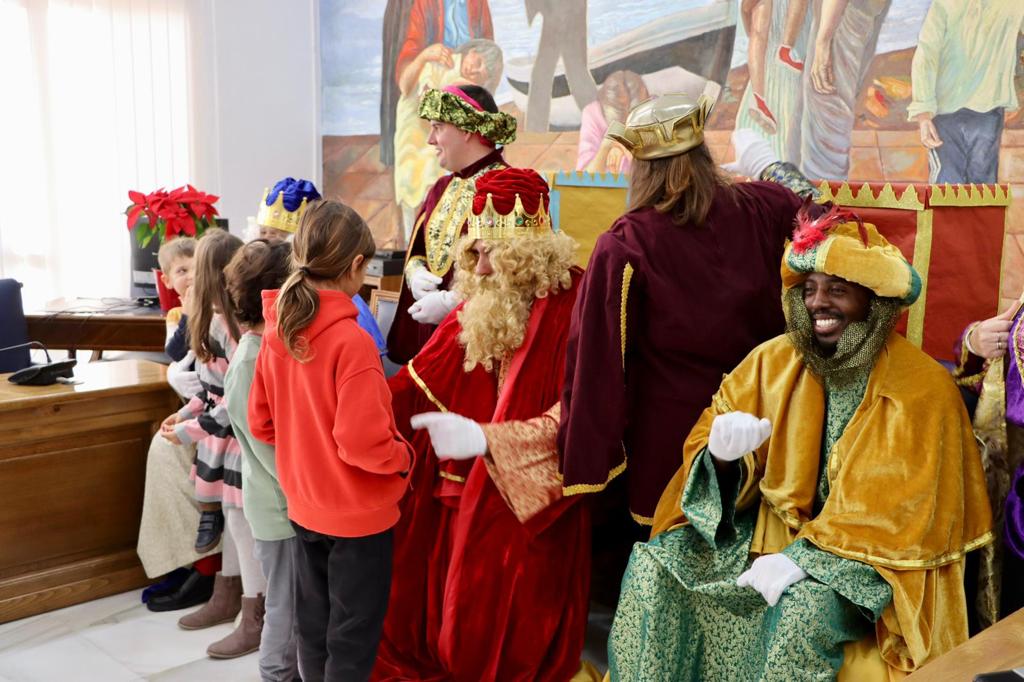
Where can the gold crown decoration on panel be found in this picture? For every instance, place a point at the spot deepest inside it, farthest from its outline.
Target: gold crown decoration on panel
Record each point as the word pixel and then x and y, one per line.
pixel 277 216
pixel 491 224
pixel 663 126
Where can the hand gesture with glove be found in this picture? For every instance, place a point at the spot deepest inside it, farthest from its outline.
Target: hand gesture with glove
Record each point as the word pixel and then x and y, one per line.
pixel 770 575
pixel 182 378
pixel 753 154
pixel 734 434
pixel 422 281
pixel 453 436
pixel 433 307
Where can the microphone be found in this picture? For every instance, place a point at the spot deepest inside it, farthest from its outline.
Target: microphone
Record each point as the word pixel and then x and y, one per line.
pixel 41 375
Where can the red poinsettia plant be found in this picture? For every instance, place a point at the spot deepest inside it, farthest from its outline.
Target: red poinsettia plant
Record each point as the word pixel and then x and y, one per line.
pixel 184 210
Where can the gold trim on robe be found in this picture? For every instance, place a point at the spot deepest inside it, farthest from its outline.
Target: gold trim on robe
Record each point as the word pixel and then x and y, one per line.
pixel 423 387
pixel 446 220
pixel 522 461
pixel 582 488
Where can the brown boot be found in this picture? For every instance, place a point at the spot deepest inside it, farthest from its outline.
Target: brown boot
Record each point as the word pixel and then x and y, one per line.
pixel 246 637
pixel 222 607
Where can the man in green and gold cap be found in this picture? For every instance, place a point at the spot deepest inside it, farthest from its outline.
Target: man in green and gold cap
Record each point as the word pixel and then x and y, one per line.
pixel 827 496
pixel 466 131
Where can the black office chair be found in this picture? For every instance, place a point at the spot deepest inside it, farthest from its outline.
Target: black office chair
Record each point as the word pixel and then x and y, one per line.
pixel 13 328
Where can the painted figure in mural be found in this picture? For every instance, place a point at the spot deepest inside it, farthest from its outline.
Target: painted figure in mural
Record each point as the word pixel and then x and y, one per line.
pixel 465 131
pixel 411 26
pixel 476 62
pixel 991 364
pixel 618 94
pixel 773 555
pixel 958 106
pixel 757 15
pixel 661 313
pixel 563 36
pixel 845 36
pixel 494 560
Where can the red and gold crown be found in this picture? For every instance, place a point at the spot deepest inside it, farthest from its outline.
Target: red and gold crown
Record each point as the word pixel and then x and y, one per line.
pixel 511 203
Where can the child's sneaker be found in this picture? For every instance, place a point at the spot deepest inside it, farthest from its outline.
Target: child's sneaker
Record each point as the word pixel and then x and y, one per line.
pixel 211 526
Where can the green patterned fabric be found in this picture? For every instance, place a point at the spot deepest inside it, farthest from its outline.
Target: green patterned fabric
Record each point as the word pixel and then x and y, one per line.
pixel 682 617
pixel 840 404
pixel 438 105
pixel 789 176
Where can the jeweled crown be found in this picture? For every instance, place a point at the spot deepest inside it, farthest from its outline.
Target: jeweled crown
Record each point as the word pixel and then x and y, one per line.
pixel 490 224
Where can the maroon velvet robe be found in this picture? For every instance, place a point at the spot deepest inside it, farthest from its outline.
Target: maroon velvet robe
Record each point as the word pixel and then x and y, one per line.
pixel 663 312
pixel 407 336
pixel 476 594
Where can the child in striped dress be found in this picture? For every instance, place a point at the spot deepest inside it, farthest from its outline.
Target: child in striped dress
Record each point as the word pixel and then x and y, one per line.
pixel 204 421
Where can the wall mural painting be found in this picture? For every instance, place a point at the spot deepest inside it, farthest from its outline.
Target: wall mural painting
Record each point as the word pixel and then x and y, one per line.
pixel 861 90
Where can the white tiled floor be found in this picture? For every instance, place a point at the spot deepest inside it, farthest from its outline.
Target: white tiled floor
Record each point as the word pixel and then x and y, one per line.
pixel 117 639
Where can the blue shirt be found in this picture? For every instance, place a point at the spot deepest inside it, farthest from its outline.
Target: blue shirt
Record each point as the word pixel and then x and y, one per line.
pixel 369 324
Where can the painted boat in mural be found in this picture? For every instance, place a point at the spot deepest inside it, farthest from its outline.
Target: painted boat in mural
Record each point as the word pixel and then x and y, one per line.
pixel 680 51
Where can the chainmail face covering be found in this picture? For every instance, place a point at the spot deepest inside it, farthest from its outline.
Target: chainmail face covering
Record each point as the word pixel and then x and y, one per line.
pixel 858 347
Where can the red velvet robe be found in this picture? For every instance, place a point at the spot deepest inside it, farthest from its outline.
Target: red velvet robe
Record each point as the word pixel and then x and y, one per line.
pixel 663 312
pixel 477 595
pixel 407 336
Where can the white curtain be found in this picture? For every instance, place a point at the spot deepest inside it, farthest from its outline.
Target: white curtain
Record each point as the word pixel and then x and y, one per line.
pixel 96 100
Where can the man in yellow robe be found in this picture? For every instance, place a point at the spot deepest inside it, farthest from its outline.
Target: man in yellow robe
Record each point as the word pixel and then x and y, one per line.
pixel 818 524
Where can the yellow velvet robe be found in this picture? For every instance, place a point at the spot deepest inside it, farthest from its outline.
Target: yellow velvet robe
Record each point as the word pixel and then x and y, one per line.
pixel 907 492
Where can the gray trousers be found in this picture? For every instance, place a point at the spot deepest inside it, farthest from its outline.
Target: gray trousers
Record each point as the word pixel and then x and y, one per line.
pixel 278 658
pixel 970 147
pixel 828 119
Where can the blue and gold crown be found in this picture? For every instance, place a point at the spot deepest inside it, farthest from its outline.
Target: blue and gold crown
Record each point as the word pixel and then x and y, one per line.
pixel 283 205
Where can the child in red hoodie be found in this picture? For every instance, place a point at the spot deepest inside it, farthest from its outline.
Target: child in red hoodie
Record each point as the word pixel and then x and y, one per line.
pixel 320 397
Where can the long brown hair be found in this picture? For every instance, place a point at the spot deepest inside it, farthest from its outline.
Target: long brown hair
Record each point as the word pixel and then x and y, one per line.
pixel 683 185
pixel 209 295
pixel 329 237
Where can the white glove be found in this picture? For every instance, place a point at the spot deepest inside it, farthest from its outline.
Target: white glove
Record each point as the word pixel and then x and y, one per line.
pixel 185 382
pixel 734 434
pixel 453 436
pixel 770 575
pixel 753 154
pixel 422 281
pixel 433 307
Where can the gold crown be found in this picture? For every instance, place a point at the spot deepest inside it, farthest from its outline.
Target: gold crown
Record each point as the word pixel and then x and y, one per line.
pixel 515 225
pixel 277 216
pixel 663 126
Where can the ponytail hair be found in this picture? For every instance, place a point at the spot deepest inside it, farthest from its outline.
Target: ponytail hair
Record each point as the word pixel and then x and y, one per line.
pixel 329 237
pixel 209 295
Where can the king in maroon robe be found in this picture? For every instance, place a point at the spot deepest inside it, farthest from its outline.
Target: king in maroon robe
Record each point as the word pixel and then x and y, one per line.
pixel 663 312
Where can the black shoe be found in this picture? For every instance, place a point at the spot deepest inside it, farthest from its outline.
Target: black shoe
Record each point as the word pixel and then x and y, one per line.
pixel 196 589
pixel 211 525
pixel 171 582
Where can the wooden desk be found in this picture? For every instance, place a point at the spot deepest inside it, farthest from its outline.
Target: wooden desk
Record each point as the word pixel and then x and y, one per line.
pixel 95 324
pixel 1000 647
pixel 72 474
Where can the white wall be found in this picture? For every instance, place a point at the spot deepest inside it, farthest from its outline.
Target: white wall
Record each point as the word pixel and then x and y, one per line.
pixel 256 100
